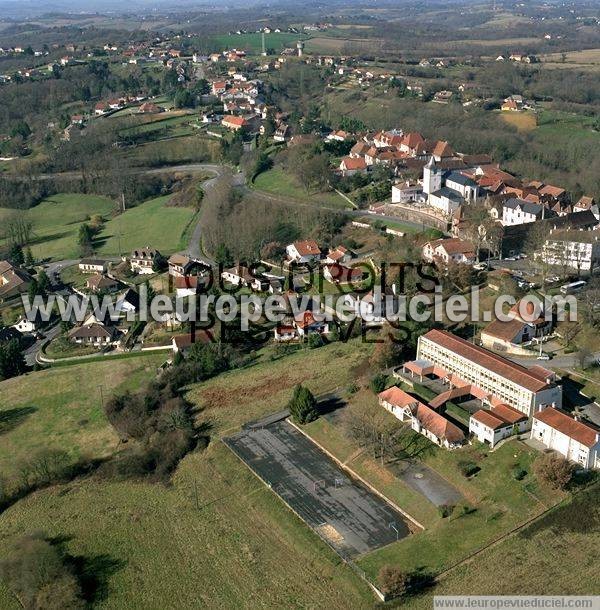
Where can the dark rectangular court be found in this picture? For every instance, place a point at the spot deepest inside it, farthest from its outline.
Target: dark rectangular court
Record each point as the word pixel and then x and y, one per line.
pixel 343 511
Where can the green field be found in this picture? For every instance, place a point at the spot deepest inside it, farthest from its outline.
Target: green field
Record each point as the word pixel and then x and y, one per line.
pixel 51 409
pixel 217 537
pixel 56 221
pixel 279 182
pixel 151 223
pixel 556 555
pixel 252 42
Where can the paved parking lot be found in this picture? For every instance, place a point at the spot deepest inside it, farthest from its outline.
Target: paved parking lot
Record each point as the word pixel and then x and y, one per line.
pixel 342 511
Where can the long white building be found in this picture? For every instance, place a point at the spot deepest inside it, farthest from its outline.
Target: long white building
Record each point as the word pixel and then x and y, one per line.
pixel 528 390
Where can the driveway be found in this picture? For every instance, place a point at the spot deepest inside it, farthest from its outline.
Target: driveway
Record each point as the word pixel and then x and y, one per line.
pixel 427 482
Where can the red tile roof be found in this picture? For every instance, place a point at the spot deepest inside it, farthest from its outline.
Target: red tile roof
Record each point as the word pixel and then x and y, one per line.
pixel 397 397
pixel 353 163
pixel 307 247
pixel 520 375
pixel 438 425
pixel 559 420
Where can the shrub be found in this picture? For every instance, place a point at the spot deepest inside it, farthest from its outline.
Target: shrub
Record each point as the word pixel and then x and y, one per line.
pixel 392 581
pixel 315 340
pixel 519 473
pixel 378 383
pixel 352 388
pixel 39 575
pixel 445 510
pixel 468 468
pixel 554 470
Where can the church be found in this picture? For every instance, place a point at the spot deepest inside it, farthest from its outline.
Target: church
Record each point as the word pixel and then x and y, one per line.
pixel 447 190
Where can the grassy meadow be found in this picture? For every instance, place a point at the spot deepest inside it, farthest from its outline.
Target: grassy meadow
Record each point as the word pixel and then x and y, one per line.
pixel 215 537
pixel 51 409
pixel 278 182
pixel 56 223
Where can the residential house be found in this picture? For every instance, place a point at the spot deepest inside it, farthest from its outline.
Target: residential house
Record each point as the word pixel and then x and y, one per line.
pixel 102 283
pixel 340 274
pixel 306 324
pixel 339 255
pixel 92 265
pixel 407 192
pixel 13 281
pixel 25 326
pixel 352 165
pixel 150 108
pixel 303 252
pixel 234 123
pixel 517 211
pixel 577 441
pixel 445 251
pixel 142 260
pixel 95 333
pixel 180 265
pixel 239 275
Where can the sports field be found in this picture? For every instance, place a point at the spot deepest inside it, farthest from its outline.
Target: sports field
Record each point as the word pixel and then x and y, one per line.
pixel 345 513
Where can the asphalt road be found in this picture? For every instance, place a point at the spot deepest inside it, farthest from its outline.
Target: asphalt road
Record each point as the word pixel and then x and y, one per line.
pixel 346 514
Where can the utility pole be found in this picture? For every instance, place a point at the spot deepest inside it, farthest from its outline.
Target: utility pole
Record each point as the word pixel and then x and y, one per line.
pixel 101 397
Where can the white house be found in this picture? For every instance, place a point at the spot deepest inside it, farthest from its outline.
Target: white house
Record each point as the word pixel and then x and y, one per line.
pixel 498 423
pixel 575 440
pixel 407 192
pixel 25 326
pixel 305 251
pixel 142 260
pixel 92 265
pixel 445 251
pixel 518 212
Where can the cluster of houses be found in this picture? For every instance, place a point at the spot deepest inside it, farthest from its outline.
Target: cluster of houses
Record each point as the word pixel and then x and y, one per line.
pixel 243 107
pixel 501 398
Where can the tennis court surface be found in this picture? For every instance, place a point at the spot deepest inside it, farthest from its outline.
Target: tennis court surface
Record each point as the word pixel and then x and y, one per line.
pixel 351 518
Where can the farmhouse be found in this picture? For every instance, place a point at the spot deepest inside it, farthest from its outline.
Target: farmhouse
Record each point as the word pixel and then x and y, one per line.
pixel 575 440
